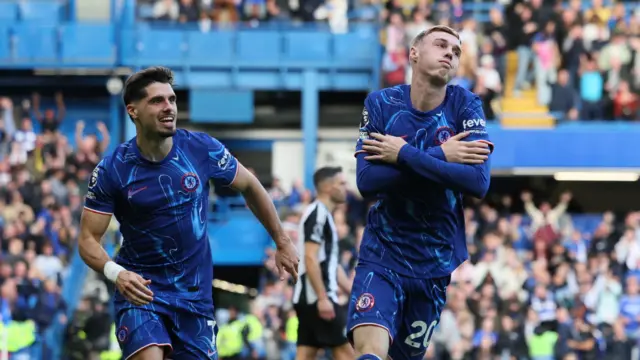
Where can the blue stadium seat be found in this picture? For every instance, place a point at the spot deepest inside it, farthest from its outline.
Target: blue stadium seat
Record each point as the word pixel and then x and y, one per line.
pixel 153 47
pixel 306 47
pixel 87 44
pixel 45 12
pixel 355 49
pixel 8 12
pixel 5 44
pixel 259 48
pixel 127 51
pixel 36 43
pixel 200 45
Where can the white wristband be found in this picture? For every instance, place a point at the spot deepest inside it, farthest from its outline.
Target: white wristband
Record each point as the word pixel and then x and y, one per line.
pixel 111 271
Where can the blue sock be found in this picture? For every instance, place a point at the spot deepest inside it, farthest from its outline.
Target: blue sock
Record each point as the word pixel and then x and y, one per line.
pixel 369 357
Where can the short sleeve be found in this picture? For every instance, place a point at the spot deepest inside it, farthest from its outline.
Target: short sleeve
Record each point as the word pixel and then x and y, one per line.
pixel 471 119
pixel 223 167
pixel 370 121
pixel 314 229
pixel 99 197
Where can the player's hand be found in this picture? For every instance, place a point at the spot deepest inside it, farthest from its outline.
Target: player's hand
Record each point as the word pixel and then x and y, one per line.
pixel 566 197
pixel 287 259
pixel 465 152
pixel 325 309
pixel 383 147
pixel 134 288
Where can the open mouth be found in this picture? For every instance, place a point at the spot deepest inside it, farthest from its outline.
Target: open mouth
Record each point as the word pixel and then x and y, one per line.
pixel 167 119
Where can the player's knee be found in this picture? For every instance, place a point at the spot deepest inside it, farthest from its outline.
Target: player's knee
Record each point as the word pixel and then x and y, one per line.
pixel 306 353
pixel 371 340
pixel 344 352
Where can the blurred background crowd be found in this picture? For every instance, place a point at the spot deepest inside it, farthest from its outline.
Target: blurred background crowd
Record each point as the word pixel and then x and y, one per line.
pixel 581 58
pixel 542 282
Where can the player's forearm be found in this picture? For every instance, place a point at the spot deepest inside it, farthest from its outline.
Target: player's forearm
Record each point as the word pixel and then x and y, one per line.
pixel 263 208
pixel 471 179
pixel 92 252
pixel 375 177
pixel 315 277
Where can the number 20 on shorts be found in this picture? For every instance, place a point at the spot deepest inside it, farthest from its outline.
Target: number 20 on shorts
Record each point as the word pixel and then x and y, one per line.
pixel 423 330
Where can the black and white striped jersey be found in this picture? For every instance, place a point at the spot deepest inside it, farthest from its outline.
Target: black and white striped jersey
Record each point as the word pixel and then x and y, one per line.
pixel 317 225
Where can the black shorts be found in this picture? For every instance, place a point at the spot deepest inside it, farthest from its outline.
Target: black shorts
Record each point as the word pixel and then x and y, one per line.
pixel 316 332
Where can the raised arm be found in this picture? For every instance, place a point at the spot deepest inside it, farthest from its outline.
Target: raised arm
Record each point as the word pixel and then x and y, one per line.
pixel 61 110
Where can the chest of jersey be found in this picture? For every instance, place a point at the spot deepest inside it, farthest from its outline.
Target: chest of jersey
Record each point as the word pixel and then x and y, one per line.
pixel 169 188
pixel 421 132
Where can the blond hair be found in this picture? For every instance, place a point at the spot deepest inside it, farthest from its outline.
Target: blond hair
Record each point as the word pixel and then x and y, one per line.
pixel 438 28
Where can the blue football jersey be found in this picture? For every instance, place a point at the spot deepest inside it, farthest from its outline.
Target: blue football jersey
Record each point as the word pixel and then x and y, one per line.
pixel 162 210
pixel 417 227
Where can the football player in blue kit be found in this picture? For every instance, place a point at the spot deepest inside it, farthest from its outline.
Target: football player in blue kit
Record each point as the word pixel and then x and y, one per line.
pixel 157 186
pixel 421 147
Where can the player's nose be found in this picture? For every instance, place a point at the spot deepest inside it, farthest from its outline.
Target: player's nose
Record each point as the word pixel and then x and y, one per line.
pixel 167 109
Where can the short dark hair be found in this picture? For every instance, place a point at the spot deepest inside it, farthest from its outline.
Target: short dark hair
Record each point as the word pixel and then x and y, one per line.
pixel 134 87
pixel 325 173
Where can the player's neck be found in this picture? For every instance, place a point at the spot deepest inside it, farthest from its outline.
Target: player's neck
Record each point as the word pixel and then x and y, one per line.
pixel 154 148
pixel 327 202
pixel 424 95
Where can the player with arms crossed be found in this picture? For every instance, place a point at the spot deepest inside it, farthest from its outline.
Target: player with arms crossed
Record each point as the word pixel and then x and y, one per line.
pixel 157 186
pixel 420 148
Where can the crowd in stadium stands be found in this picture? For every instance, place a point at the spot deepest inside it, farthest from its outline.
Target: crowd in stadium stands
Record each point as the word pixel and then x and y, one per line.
pixel 584 64
pixel 42 180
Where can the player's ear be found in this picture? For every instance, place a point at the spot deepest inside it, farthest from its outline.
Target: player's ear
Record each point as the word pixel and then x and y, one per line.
pixel 413 55
pixel 131 110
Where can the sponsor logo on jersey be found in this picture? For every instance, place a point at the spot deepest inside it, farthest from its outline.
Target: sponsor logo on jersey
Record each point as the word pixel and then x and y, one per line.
pixel 224 161
pixel 473 123
pixel 443 134
pixel 132 191
pixel 474 126
pixel 365 117
pixel 93 180
pixel 190 182
pixel 365 302
pixel 364 135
